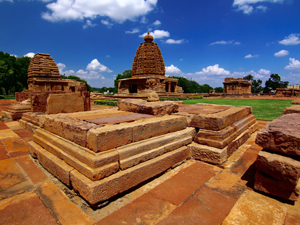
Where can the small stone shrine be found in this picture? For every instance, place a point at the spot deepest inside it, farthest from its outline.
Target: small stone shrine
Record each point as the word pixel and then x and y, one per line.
pixel 148 72
pixel 237 86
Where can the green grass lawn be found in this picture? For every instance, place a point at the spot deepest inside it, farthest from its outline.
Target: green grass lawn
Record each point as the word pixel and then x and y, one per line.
pixel 263 109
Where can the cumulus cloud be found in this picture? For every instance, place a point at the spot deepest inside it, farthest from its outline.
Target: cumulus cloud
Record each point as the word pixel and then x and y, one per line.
pixel 264 72
pixel 225 43
pixel 293 65
pixel 133 31
pixel 213 70
pixel 246 6
pixel 172 41
pixel 106 23
pixel 172 69
pixel 251 56
pixel 292 39
pixel 6 0
pixel 156 23
pixel 119 11
pixel 157 34
pixel 30 54
pixel 144 20
pixel 95 65
pixel 88 24
pixel 281 53
pixel 61 67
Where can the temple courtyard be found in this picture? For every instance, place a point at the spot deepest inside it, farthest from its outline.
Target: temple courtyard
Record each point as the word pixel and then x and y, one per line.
pixel 191 192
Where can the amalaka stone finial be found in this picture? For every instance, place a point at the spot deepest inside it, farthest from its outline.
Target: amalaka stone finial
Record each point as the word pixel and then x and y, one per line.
pixel 148 38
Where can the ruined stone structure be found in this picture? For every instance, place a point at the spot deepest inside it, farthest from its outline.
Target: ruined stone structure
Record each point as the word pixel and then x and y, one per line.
pixel 290 91
pixel 237 86
pixel 148 72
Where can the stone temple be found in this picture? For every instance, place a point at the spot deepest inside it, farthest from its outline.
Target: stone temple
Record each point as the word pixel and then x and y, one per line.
pixel 148 72
pixel 237 86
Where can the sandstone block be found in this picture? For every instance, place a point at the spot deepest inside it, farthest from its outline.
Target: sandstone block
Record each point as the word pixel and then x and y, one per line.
pixel 153 108
pixel 31 127
pixel 281 135
pixel 70 128
pixel 280 167
pixel 272 186
pixel 54 165
pixel 292 109
pixel 65 103
pixel 297 101
pixel 97 191
pixel 32 146
pixel 39 102
pixel 22 123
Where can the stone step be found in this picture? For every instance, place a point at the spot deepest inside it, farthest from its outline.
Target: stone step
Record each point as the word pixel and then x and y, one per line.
pixel 144 150
pixel 93 165
pixel 97 191
pixel 221 139
pixel 113 136
pixel 218 156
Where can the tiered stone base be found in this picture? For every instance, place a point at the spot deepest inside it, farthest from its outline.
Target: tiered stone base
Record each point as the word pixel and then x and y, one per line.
pixel 222 130
pixel 16 112
pixel 107 160
pixel 279 163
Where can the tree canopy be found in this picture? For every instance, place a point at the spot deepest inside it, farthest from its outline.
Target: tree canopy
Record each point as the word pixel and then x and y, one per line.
pixel 13 72
pixel 73 77
pixel 275 82
pixel 256 84
pixel 191 86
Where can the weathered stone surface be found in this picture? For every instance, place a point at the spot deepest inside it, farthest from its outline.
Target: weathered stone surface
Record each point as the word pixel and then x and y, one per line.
pixel 32 117
pixel 32 146
pixel 273 186
pixel 65 103
pixel 70 128
pixel 31 127
pixel 93 165
pixel 281 135
pixel 104 138
pixel 280 167
pixel 237 86
pixel 39 102
pixel 297 102
pixel 96 191
pixel 254 208
pixel 292 109
pixel 220 120
pixel 54 165
pixel 152 108
pixel 152 96
pixel 22 123
pixel 222 138
pixel 138 152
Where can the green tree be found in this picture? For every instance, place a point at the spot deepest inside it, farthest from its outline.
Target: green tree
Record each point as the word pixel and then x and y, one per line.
pixel 274 82
pixel 125 74
pixel 219 89
pixel 73 77
pixel 191 86
pixel 256 84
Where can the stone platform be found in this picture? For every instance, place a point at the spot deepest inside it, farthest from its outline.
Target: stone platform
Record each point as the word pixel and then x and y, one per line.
pixel 221 130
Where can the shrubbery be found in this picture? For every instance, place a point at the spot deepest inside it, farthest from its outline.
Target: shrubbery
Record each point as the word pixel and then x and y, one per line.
pixel 110 102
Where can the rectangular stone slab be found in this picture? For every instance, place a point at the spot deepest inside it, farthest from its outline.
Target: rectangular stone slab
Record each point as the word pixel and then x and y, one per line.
pixel 281 167
pixel 272 186
pixel 97 191
pixel 216 121
pixel 203 109
pixel 64 103
pixel 119 119
pixel 292 109
pixel 112 136
pixel 281 135
pixel 32 117
pixel 222 138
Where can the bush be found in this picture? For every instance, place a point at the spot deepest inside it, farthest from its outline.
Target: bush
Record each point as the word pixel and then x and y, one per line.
pixel 110 102
pixel 1 97
pixel 196 97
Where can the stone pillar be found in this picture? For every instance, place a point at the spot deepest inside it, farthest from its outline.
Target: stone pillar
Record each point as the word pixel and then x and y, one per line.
pixel 169 86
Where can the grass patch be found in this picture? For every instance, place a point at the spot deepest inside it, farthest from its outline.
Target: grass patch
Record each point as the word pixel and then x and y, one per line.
pixel 263 109
pixel 7 97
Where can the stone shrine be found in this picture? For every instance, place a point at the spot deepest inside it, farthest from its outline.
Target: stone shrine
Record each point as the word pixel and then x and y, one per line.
pixel 237 86
pixel 148 72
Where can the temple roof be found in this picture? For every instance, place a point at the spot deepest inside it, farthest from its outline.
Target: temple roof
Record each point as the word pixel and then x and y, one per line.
pixel 43 66
pixel 148 60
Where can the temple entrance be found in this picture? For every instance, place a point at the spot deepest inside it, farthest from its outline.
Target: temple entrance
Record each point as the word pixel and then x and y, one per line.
pixel 133 88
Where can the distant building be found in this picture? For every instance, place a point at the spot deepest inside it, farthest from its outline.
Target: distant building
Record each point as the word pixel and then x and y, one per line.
pixel 237 86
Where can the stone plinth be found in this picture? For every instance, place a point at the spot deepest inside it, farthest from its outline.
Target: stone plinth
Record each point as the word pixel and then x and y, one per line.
pixel 237 86
pixel 292 109
pixel 279 163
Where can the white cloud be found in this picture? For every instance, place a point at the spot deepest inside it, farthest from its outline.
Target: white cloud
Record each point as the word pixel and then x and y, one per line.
pixel 247 8
pixel 262 8
pixel 251 56
pixel 117 10
pixel 144 20
pixel 135 30
pixel 213 70
pixel 172 69
pixel 107 56
pixel 106 23
pixel 225 43
pixel 264 72
pixel 172 41
pixel 6 0
pixel 156 23
pixel 292 39
pixel 95 65
pixel 281 53
pixel 88 24
pixel 61 67
pixel 157 34
pixel 30 54
pixel 293 65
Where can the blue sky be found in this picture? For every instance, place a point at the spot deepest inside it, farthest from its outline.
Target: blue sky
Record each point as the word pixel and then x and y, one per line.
pixel 202 40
